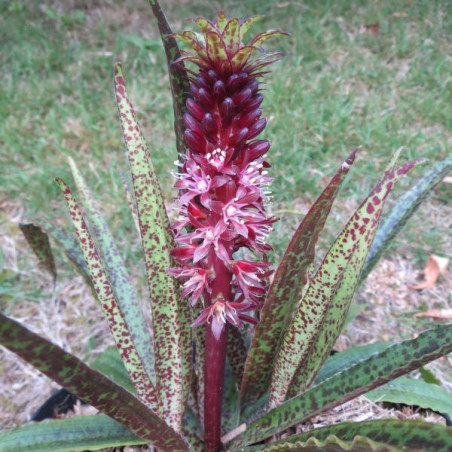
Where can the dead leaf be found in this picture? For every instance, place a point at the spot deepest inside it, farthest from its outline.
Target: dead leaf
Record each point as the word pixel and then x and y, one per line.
pixel 373 29
pixel 437 314
pixel 435 266
pixel 400 14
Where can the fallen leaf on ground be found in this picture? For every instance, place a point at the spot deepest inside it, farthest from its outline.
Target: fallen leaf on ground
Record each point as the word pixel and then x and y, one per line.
pixel 373 29
pixel 400 14
pixel 435 266
pixel 436 314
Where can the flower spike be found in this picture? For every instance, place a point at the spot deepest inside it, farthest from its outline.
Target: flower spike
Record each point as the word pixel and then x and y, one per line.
pixel 224 175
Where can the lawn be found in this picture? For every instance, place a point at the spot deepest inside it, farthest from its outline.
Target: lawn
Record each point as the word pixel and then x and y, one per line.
pixel 356 73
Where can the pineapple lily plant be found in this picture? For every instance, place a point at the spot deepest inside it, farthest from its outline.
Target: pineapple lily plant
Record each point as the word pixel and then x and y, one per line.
pixel 237 350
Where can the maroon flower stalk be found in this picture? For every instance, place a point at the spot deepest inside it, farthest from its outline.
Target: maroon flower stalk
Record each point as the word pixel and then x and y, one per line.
pixel 222 198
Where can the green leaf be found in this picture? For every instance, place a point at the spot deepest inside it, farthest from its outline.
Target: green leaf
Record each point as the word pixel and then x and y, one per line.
pixel 283 294
pixel 404 208
pixel 428 376
pixel 231 408
pixel 237 353
pixel 110 364
pixel 116 273
pixel 322 311
pixel 89 385
pixel 413 392
pixel 178 77
pixel 106 296
pixel 170 315
pixel 395 361
pixel 341 361
pixel 192 431
pixel 395 433
pixel 72 434
pixel 39 243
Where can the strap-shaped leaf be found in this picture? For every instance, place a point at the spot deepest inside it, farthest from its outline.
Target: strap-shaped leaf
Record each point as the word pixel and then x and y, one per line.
pixel 237 353
pixel 170 316
pixel 89 385
pixel 116 273
pixel 404 208
pixel 393 433
pixel 289 280
pixel 72 434
pixel 106 296
pixel 413 392
pixel 393 362
pixel 178 78
pixel 230 414
pixel 39 243
pixel 320 315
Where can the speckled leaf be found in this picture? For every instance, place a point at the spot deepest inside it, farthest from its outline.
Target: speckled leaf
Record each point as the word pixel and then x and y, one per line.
pixel 237 353
pixel 395 361
pixel 289 280
pixel 231 408
pixel 116 273
pixel 330 444
pixel 199 339
pixel 192 42
pixel 246 24
pixel 204 24
pixel 89 385
pixel 110 364
pixel 403 209
pixel 39 243
pixel 171 332
pixel 241 57
pixel 130 201
pixel 341 361
pixel 216 51
pixel 192 431
pixel 413 392
pixel 73 434
pixel 178 78
pixel 106 296
pixel 322 311
pixel 70 247
pixel 399 434
pixel 231 35
pixel 262 37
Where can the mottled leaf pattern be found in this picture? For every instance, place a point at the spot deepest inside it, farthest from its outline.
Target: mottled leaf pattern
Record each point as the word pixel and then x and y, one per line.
pixel 112 311
pixel 172 345
pixel 262 37
pixel 322 311
pixel 289 280
pixel 116 273
pixel 75 433
pixel 177 74
pixel 215 47
pixel 237 353
pixel 246 24
pixel 39 243
pixel 89 385
pixel 231 35
pixel 231 408
pixel 396 360
pixel 403 209
pixel 400 434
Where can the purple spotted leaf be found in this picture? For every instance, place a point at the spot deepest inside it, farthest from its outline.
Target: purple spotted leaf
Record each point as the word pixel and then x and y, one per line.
pixel 319 317
pixel 170 315
pixel 237 353
pixel 113 265
pixel 107 298
pixel 39 243
pixel 394 361
pixel 89 385
pixel 283 294
pixel 177 75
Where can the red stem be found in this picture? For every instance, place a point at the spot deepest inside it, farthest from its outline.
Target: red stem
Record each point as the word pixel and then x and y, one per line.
pixel 214 382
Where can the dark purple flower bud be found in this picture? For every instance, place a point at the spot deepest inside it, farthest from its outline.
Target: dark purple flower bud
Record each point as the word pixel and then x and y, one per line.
pixel 194 90
pixel 209 124
pixel 191 123
pixel 242 96
pixel 238 137
pixel 253 103
pixel 226 107
pixel 211 75
pixel 195 109
pixel 251 117
pixel 258 149
pixel 257 128
pixel 194 141
pixel 219 89
pixel 206 98
pixel 202 81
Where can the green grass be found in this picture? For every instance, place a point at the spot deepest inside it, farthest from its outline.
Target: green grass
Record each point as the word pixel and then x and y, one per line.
pixel 337 88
